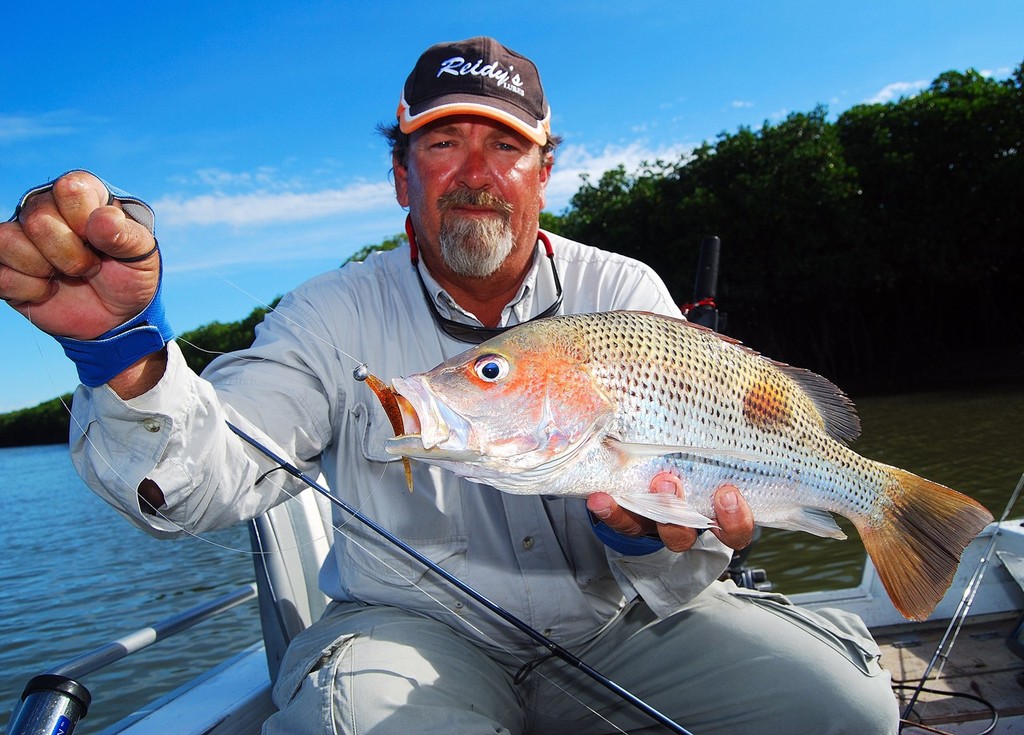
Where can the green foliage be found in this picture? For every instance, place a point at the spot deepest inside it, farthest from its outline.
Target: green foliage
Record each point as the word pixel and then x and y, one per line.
pixel 388 243
pixel 551 222
pixel 201 345
pixel 46 423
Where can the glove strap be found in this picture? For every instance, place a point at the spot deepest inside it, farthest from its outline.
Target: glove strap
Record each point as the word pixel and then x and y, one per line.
pixel 98 360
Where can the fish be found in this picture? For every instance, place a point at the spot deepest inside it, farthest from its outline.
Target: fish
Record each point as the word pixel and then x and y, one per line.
pixel 582 403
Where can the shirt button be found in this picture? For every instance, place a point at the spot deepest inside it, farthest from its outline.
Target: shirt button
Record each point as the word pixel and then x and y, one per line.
pixel 528 543
pixel 151 425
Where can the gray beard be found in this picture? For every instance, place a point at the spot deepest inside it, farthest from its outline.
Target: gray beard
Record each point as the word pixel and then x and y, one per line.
pixel 475 248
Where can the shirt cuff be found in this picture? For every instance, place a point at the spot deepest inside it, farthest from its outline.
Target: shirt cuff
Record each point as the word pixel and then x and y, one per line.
pixel 620 542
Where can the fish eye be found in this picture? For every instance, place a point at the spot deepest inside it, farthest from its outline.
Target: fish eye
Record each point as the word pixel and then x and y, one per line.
pixel 491 368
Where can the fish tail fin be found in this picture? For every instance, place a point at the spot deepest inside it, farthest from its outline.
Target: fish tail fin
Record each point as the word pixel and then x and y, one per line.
pixel 916 547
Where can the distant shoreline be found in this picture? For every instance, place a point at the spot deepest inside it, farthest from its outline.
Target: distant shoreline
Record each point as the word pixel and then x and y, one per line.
pixel 967 375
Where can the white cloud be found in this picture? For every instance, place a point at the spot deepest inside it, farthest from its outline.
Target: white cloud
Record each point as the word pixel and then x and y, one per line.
pixel 896 90
pixel 14 128
pixel 264 208
pixel 1001 72
pixel 221 179
pixel 739 104
pixel 278 202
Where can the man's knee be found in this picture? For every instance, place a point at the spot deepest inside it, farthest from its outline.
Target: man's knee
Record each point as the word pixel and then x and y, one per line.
pixel 773 668
pixel 868 706
pixel 398 671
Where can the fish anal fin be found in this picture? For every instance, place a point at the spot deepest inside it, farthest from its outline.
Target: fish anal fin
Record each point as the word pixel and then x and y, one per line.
pixel 810 520
pixel 837 411
pixel 916 548
pixel 664 508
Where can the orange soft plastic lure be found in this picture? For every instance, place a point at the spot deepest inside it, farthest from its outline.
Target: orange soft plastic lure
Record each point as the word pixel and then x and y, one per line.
pixel 389 403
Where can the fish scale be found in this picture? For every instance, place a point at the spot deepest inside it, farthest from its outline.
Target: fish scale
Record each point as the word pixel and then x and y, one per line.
pixel 583 403
pixel 701 422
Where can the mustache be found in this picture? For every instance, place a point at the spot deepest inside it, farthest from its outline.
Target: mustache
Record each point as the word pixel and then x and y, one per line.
pixel 469 197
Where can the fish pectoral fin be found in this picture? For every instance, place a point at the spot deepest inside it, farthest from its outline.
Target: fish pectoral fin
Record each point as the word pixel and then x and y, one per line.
pixel 636 450
pixel 664 508
pixel 810 520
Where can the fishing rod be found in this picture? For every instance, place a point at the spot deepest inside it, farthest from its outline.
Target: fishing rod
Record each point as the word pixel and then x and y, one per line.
pixel 703 309
pixel 494 607
pixel 952 632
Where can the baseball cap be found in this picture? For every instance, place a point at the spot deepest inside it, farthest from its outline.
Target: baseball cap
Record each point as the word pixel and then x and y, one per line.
pixel 478 76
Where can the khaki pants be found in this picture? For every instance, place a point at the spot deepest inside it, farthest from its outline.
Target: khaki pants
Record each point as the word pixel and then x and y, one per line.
pixel 733 661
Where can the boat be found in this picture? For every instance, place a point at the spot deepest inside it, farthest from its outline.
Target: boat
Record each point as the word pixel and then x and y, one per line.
pixel 974 687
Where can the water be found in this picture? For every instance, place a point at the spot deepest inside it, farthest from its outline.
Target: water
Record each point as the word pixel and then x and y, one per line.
pixel 77 575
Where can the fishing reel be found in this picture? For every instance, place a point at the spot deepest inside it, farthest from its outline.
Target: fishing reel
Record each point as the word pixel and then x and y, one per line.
pixel 751 578
pixel 52 704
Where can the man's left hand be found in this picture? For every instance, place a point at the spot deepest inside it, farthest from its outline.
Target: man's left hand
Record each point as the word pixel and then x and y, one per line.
pixel 736 522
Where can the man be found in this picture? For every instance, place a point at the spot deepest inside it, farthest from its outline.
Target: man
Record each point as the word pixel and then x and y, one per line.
pixel 399 650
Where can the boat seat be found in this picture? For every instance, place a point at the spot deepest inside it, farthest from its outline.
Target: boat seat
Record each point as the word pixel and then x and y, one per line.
pixel 290 543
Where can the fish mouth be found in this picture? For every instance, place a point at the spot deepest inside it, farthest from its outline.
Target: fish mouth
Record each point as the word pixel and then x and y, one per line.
pixel 432 429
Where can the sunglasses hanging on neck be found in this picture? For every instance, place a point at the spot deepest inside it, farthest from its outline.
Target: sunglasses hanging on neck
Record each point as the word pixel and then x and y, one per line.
pixel 471 333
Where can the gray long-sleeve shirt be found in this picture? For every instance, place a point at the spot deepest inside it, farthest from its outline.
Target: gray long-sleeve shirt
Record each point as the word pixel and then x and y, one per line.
pixel 537 556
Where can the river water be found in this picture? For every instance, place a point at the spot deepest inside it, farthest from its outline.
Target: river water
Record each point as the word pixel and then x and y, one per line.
pixel 75 575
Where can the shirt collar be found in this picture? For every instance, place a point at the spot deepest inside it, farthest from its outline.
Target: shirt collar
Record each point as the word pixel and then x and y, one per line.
pixel 519 307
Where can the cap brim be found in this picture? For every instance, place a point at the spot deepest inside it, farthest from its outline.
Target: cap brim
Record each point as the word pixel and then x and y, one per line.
pixel 538 132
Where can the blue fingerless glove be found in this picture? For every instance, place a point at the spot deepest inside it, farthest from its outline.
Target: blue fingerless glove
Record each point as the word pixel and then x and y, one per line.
pixel 100 359
pixel 620 542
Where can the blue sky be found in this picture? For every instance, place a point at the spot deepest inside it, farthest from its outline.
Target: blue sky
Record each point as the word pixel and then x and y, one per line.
pixel 250 126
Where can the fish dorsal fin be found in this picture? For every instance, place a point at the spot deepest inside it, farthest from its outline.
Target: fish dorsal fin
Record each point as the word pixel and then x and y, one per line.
pixel 836 409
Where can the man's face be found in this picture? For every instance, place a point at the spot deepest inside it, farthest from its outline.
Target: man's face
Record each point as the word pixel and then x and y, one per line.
pixel 474 189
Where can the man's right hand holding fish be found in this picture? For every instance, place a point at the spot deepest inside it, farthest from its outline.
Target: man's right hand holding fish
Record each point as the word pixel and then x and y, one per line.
pixel 732 516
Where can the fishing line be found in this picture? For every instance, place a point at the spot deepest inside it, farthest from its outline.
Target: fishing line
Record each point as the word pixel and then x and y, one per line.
pixel 504 614
pixel 906 723
pixel 948 640
pixel 291 321
pixel 156 512
pixel 218 353
pixel 177 526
